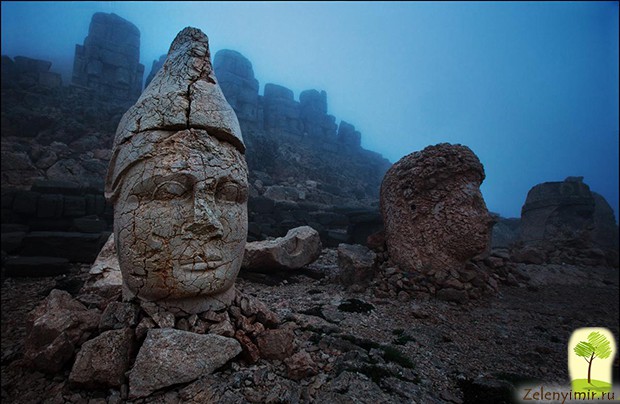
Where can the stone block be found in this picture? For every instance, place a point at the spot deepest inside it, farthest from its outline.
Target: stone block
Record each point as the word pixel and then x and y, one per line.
pixel 76 247
pixel 50 79
pixel 57 187
pixel 89 224
pixel 50 205
pixel 36 266
pixel 12 241
pixel 26 202
pixel 74 206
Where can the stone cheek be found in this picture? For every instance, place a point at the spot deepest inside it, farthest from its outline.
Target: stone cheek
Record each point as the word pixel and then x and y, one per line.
pixel 435 216
pixel 181 221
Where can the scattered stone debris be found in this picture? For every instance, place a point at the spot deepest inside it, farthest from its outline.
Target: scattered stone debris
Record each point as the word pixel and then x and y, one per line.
pixel 418 350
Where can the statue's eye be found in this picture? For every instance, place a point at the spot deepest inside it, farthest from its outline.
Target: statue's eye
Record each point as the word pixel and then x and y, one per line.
pixel 231 192
pixel 169 190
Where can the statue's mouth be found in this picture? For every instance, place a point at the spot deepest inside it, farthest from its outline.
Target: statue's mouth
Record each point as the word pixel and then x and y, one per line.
pixel 201 263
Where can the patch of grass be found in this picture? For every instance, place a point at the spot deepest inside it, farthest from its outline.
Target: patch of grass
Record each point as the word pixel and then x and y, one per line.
pixel 402 339
pixel 361 342
pixel 356 306
pixel 314 291
pixel 398 331
pixel 376 373
pixel 392 354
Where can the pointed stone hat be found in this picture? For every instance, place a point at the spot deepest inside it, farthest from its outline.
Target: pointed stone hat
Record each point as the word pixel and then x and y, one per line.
pixel 184 94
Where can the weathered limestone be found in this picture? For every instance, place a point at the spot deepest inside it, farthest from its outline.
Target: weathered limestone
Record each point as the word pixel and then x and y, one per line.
pixel 103 360
pixel 108 62
pixel 282 113
pixel 236 78
pixel 26 72
pixel 557 210
pixel 55 328
pixel 434 214
pixel 347 135
pixel 178 181
pixel 565 222
pixel 188 356
pixel 301 246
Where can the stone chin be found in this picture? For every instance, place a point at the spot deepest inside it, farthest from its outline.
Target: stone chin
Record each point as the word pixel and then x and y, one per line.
pixel 190 304
pixel 212 289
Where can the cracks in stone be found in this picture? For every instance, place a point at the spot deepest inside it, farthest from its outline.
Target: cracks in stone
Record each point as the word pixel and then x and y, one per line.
pixel 189 104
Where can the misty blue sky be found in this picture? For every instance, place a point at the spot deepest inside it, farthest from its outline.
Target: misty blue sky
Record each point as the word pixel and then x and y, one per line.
pixel 530 87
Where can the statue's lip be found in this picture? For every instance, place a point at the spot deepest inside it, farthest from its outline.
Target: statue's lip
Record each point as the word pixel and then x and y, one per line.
pixel 197 264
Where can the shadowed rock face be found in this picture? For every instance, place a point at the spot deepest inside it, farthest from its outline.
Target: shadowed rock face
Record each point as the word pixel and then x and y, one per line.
pixel 178 181
pixel 557 210
pixel 567 222
pixel 108 61
pixel 434 214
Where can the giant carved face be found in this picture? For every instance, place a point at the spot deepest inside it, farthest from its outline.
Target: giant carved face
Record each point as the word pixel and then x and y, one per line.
pixel 180 220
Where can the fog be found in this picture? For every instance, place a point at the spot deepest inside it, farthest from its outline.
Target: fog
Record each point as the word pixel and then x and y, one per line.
pixel 530 87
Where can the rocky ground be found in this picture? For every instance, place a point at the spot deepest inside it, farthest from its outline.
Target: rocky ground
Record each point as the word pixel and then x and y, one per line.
pixel 355 347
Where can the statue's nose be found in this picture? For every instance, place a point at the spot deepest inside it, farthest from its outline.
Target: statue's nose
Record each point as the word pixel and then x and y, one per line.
pixel 205 220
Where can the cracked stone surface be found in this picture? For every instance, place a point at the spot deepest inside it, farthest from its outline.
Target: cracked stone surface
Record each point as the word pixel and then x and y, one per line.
pixel 435 216
pixel 178 182
pixel 170 356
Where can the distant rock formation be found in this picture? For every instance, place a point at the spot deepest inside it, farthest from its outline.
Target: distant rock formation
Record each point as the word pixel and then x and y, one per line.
pixel 505 231
pixel 305 169
pixel 236 77
pixel 434 214
pixel 565 222
pixel 157 64
pixel 109 59
pixel 24 72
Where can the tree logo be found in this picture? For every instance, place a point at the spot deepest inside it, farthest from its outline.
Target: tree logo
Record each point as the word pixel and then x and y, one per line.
pixel 590 358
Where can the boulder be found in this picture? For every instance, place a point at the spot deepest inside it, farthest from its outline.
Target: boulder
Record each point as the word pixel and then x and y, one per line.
pixel 103 360
pixel 119 315
pixel 356 263
pixel 55 328
pixel 300 247
pixel 434 214
pixel 168 357
pixel 106 265
pixel 276 344
pixel 300 366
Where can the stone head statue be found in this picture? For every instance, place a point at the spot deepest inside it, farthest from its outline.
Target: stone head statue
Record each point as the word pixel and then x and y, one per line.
pixel 434 213
pixel 178 183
